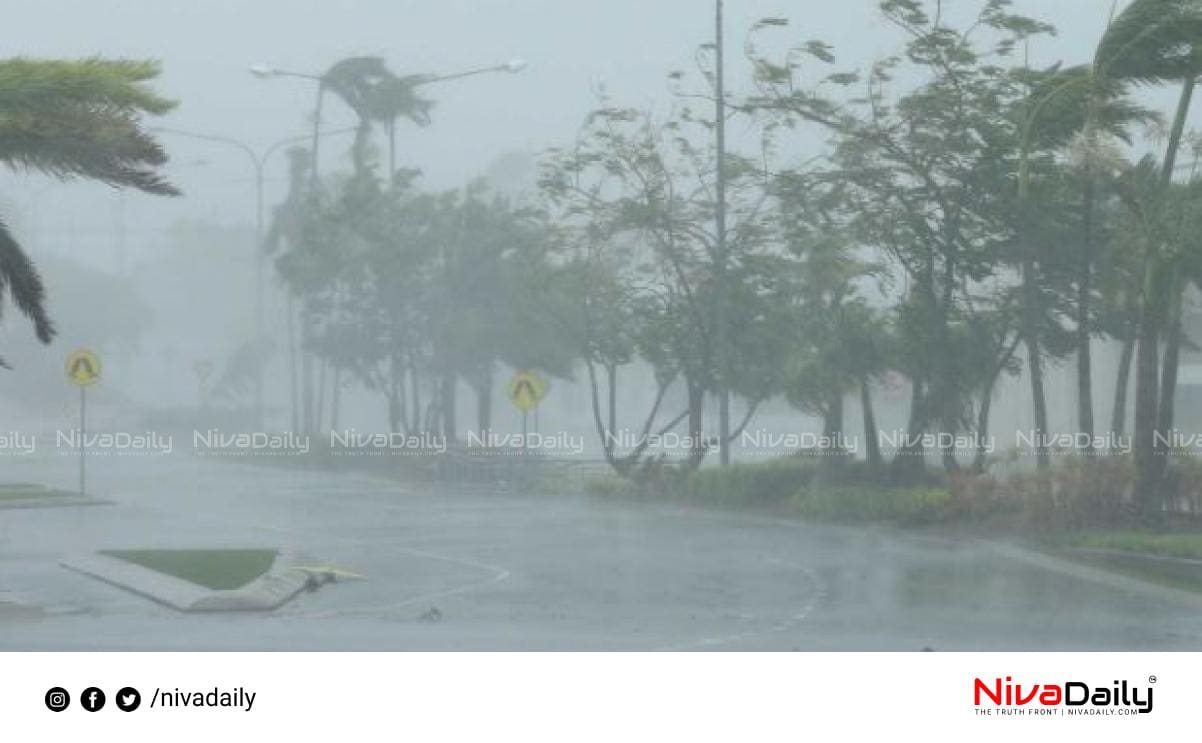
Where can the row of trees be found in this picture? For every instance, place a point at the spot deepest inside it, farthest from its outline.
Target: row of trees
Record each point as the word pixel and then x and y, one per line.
pixel 1002 195
pixel 403 292
pixel 988 220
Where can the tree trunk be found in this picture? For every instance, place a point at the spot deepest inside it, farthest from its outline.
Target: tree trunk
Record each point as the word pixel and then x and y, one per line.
pixel 611 377
pixel 1034 362
pixel 1043 460
pixel 484 401
pixel 981 459
pixel 398 409
pixel 292 370
pixel 620 466
pixel 1147 383
pixel 1149 460
pixel 948 453
pixel 872 442
pixel 335 398
pixel 832 421
pixel 910 460
pixel 394 410
pixel 415 400
pixel 832 431
pixel 696 423
pixel 319 415
pixel 1122 383
pixel 1084 291
pixel 1172 357
pixel 1149 469
pixel 448 399
pixel 306 369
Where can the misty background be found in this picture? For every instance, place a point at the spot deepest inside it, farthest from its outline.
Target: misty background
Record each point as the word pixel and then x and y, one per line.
pixel 163 288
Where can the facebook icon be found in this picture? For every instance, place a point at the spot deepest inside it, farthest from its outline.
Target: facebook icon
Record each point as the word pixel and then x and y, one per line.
pixel 92 699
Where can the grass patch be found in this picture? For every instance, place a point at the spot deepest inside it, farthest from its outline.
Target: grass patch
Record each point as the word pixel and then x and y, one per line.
pixel 851 493
pixel 219 570
pixel 1169 545
pixel 761 483
pixel 1179 575
pixel 860 504
pixel 26 491
pixel 1139 554
pixel 611 486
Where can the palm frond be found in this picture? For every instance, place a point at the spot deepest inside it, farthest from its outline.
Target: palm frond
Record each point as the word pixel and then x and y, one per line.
pixel 104 146
pixel 82 118
pixel 1152 42
pixel 34 85
pixel 21 280
pixel 375 93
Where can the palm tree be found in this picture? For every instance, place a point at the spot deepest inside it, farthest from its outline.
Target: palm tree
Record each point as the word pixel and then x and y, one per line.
pixel 1156 42
pixel 74 119
pixel 377 95
pixel 1083 107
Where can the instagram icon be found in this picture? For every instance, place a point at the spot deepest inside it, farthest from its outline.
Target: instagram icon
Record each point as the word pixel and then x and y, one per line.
pixel 57 699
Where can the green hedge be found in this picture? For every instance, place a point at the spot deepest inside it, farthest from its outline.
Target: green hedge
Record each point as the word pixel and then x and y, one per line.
pixel 774 481
pixel 866 503
pixel 1172 545
pixel 850 494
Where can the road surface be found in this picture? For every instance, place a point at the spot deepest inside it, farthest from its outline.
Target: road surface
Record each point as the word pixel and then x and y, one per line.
pixel 470 569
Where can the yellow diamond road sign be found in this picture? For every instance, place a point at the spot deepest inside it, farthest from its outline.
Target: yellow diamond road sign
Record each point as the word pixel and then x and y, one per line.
pixel 527 390
pixel 83 368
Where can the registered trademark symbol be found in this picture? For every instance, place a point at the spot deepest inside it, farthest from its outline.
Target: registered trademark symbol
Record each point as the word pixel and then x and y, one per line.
pixel 1151 679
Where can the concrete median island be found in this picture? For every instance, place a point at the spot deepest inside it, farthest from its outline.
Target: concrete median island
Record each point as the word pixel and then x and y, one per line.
pixel 29 495
pixel 202 580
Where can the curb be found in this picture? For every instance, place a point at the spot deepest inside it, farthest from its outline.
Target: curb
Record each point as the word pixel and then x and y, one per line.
pixel 1125 554
pixel 279 585
pixel 1110 579
pixel 52 502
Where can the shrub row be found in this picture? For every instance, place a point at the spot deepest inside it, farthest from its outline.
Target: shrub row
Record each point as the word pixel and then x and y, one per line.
pixel 1077 493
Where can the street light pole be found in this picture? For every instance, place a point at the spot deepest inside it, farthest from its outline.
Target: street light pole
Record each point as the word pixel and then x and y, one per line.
pixel 513 66
pixel 720 333
pixel 266 72
pixel 258 161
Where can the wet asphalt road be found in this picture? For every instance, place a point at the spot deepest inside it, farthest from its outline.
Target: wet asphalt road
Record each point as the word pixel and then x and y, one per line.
pixel 471 569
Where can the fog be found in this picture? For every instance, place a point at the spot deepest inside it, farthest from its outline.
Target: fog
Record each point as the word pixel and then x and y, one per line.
pixel 573 51
pixel 505 381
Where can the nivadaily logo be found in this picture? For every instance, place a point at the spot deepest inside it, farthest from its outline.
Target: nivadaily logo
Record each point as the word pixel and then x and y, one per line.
pixel 1066 698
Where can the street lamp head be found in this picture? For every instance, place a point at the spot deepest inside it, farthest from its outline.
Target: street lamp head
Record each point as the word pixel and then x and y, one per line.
pixel 514 65
pixel 263 72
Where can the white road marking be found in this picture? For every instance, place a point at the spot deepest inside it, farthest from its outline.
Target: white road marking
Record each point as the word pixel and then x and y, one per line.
pixel 498 574
pixel 817 594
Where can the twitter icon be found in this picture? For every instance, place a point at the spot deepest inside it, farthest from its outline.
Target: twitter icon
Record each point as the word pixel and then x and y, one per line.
pixel 128 699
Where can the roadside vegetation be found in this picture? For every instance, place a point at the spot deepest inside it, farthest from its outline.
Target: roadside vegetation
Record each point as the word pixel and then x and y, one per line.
pixel 1076 501
pixel 968 216
pixel 74 119
pixel 935 221
pixel 1183 545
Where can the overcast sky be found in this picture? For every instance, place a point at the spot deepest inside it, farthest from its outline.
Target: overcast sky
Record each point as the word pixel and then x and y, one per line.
pixel 571 46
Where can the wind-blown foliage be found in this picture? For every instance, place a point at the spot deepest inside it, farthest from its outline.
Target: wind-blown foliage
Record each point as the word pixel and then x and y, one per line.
pixel 74 119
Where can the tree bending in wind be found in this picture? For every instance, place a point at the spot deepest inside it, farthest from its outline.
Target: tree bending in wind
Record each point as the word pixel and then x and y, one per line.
pixel 74 119
pixel 377 95
pixel 1156 42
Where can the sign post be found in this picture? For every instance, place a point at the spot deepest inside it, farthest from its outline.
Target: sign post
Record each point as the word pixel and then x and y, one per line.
pixel 526 390
pixel 83 371
pixel 204 370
